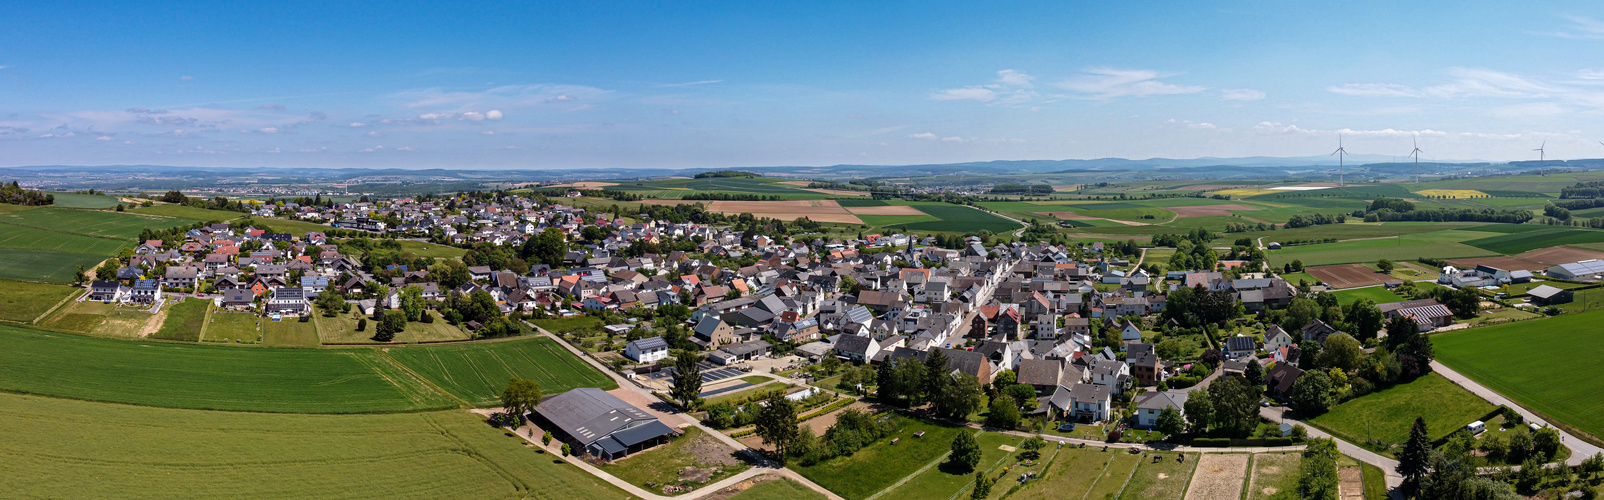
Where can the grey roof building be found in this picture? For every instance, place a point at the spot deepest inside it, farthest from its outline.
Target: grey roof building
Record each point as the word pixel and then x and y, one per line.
pixel 600 424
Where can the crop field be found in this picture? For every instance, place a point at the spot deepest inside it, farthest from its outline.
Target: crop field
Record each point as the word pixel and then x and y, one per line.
pixel 817 210
pixel 22 302
pixel 42 265
pixel 1388 414
pixel 90 222
pixel 958 218
pixel 79 200
pixel 53 444
pixel 720 184
pixel 207 377
pixel 1563 254
pixel 1453 193
pixel 860 202
pixel 184 320
pixel 35 238
pixel 1376 294
pixel 1511 244
pixel 1439 244
pixel 478 372
pixel 1348 275
pixel 188 212
pixel 881 464
pixel 1549 384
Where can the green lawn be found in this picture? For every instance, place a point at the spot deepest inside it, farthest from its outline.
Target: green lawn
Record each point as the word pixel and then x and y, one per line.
pixel 944 481
pixel 21 301
pixel 1072 474
pixel 779 489
pixel 1120 469
pixel 477 372
pixel 184 320
pixel 651 469
pixel 289 332
pixel 292 227
pixel 1387 415
pixel 1147 483
pixel 1375 481
pixel 881 464
pixel 342 329
pixel 1273 473
pixel 207 377
pixel 188 212
pixel 1558 383
pixel 233 327
pixel 1376 294
pixel 53 444
pixel 90 222
pixel 584 325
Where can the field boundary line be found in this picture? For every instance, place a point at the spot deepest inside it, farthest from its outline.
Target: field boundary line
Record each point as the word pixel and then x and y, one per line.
pixel 1128 477
pixel 420 379
pixel 1253 473
pixel 1099 479
pixel 63 301
pixel 1188 486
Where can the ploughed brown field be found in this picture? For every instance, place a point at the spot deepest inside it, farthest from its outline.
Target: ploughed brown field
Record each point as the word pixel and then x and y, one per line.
pixel 1560 255
pixel 1207 210
pixel 1348 275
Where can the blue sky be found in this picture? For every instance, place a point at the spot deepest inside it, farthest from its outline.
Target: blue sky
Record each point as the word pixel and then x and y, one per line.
pixel 582 84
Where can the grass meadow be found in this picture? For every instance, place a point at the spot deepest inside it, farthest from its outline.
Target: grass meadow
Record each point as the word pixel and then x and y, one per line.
pixel 185 318
pixel 958 218
pixel 1555 380
pixel 95 223
pixel 882 464
pixel 1387 415
pixel 188 212
pixel 207 377
pixel 944 481
pixel 1162 479
pixel 79 200
pixel 53 444
pixel 22 302
pixel 1376 294
pixel 477 372
pixel 1511 244
pixel 289 332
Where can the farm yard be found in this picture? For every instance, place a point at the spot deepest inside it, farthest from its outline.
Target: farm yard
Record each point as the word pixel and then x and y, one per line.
pixel 1348 275
pixel 1549 384
pixel 477 372
pixel 140 452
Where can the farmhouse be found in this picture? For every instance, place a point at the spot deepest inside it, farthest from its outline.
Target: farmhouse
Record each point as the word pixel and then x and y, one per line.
pixel 1428 313
pixel 600 424
pixel 648 350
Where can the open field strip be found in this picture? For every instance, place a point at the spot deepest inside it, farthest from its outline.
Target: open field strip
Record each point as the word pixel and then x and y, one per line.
pixel 80 200
pixel 24 302
pixel 478 372
pixel 1453 193
pixel 1386 415
pixel 1219 475
pixel 53 444
pixel 207 377
pixel 99 224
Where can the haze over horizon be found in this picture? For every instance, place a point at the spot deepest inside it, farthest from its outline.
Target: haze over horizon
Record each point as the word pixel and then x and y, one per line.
pixel 645 85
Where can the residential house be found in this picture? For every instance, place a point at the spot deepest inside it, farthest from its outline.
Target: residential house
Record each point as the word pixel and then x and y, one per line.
pixel 1153 404
pixel 647 350
pixel 1239 346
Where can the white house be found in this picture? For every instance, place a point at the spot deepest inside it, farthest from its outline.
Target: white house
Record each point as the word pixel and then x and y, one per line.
pixel 1083 402
pixel 649 350
pixel 1152 404
pixel 1130 332
pixel 1276 338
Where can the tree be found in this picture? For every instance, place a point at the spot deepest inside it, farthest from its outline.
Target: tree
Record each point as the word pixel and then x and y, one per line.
pixel 1312 392
pixel 1415 459
pixel 1364 318
pixel 1301 311
pixel 687 381
pixel 1593 465
pixel 1545 443
pixel 1171 348
pixel 567 449
pixel 983 484
pixel 520 397
pixel 1317 475
pixel 1254 374
pixel 79 277
pixel 885 378
pixel 1003 414
pixel 1413 349
pixel 965 451
pixel 390 323
pixel 1031 447
pixel 1342 352
pixel 960 397
pixel 549 248
pixel 935 372
pixel 332 303
pixel 1236 405
pixel 545 439
pixel 1200 412
pixel 361 324
pixel 1170 422
pixel 412 302
pixel 776 424
pixel 1385 266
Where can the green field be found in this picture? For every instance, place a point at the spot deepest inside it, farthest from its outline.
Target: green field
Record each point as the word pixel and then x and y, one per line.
pixel 1163 479
pixel 78 200
pixel 101 320
pixel 1072 474
pixel 958 218
pixel 52 445
pixel 341 329
pixel 477 372
pixel 22 302
pixel 233 327
pixel 945 481
pixel 1550 383
pixel 1273 473
pixel 95 223
pixel 33 238
pixel 1511 244
pixel 677 188
pixel 860 202
pixel 882 464
pixel 1376 294
pixel 779 489
pixel 188 212
pixel 289 332
pixel 184 320
pixel 1438 244
pixel 207 377
pixel 292 227
pixel 1387 415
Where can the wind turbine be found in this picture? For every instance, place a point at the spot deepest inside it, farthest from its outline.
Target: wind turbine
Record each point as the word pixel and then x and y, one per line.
pixel 1541 157
pixel 1341 153
pixel 1416 154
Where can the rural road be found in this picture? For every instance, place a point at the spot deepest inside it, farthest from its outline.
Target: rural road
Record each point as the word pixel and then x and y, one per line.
pixel 1580 450
pixel 766 467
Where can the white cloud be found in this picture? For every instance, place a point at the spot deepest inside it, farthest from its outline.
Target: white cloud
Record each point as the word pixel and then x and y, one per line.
pixel 405 148
pixel 924 135
pixel 488 132
pixel 374 133
pixel 952 140
pixel 494 114
pixel 1011 87
pixel 1241 94
pixel 1374 90
pixel 372 149
pixel 186 77
pixel 1581 28
pixel 268 130
pixel 103 138
pixel 4 67
pixel 472 116
pixel 275 151
pixel 358 125
pixel 1110 83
